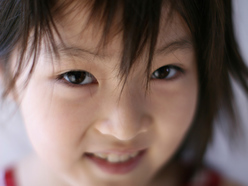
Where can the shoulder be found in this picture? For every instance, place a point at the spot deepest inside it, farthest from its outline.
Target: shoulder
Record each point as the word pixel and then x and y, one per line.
pixel 2 176
pixel 206 177
pixel 228 182
pixel 209 177
pixel 7 177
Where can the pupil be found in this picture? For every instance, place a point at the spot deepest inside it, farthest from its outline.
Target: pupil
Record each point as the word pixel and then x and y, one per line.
pixel 76 77
pixel 162 72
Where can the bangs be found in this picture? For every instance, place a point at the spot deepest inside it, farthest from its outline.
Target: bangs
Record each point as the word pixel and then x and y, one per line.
pixel 27 25
pixel 138 23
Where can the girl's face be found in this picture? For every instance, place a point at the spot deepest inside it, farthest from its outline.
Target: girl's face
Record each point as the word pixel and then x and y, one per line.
pixel 91 131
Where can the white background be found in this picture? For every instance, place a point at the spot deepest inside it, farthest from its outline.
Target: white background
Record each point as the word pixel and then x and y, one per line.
pixel 231 162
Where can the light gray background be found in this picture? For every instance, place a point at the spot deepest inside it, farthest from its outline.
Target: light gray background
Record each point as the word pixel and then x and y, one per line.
pixel 232 162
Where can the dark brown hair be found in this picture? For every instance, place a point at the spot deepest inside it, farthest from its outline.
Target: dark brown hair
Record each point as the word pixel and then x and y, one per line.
pixel 209 21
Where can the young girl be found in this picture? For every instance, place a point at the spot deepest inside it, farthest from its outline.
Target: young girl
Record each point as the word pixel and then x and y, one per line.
pixel 118 92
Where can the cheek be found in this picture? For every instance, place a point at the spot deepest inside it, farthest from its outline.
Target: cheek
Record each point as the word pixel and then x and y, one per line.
pixel 55 126
pixel 176 109
pixel 175 116
pixel 173 110
pixel 174 102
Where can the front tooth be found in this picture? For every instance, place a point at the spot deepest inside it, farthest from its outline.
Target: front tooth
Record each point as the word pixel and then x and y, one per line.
pixel 113 158
pixel 124 157
pixel 134 154
pixel 100 155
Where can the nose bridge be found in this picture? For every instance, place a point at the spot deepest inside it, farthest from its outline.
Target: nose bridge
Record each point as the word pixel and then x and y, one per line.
pixel 125 118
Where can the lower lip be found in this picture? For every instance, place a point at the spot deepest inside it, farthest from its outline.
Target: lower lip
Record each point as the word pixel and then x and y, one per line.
pixel 116 168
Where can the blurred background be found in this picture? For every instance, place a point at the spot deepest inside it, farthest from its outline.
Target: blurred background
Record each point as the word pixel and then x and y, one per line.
pixel 233 161
pixel 230 161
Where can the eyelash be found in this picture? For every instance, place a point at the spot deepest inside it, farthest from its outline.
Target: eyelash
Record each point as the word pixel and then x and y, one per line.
pixel 167 69
pixel 65 79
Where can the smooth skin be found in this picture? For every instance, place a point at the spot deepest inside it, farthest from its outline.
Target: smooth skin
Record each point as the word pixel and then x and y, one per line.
pixel 65 120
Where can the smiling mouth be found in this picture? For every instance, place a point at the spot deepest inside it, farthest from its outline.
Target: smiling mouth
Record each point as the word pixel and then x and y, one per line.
pixel 116 163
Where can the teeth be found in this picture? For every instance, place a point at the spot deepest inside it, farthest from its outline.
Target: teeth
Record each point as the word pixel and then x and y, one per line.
pixel 134 154
pixel 101 155
pixel 114 158
pixel 124 158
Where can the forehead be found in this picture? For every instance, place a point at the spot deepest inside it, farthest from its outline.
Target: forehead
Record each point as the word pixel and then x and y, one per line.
pixel 79 33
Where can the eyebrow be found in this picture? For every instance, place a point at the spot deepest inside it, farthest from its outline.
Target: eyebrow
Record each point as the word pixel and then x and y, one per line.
pixel 178 44
pixel 77 51
pixel 172 46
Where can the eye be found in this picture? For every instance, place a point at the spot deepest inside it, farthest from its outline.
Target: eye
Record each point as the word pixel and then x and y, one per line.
pixel 166 72
pixel 78 77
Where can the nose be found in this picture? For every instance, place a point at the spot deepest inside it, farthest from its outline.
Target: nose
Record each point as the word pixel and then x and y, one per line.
pixel 126 116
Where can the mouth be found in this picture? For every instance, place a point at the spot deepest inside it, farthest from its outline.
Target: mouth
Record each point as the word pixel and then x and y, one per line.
pixel 116 163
